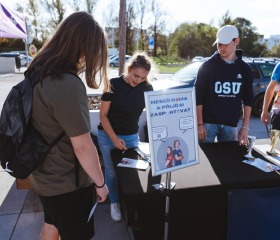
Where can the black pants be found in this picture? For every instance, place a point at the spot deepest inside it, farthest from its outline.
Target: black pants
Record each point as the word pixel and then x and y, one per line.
pixel 69 213
pixel 275 121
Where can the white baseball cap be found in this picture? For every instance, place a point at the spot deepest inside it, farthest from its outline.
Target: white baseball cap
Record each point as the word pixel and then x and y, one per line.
pixel 226 34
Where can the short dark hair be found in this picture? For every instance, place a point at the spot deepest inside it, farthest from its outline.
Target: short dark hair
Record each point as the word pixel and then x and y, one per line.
pixel 177 142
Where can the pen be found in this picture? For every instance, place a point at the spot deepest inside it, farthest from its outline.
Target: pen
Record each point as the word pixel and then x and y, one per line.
pixel 123 151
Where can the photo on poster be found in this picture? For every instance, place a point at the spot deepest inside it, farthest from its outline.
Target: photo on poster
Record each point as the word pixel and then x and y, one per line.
pixel 172 129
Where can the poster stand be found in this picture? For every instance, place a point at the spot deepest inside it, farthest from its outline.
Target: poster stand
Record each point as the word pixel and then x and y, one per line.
pixel 173 138
pixel 166 189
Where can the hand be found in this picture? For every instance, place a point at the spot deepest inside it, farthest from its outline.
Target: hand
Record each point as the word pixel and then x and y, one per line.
pixel 201 133
pixel 243 136
pixel 265 117
pixel 102 193
pixel 119 144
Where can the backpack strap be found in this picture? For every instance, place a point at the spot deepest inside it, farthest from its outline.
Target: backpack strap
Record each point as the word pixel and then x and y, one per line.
pixel 55 141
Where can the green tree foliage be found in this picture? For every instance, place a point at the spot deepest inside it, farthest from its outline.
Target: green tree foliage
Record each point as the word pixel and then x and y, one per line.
pixel 191 40
pixel 10 44
pixel 226 19
pixel 249 38
pixel 275 51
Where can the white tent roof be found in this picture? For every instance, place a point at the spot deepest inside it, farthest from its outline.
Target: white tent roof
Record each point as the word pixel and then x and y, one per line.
pixel 12 23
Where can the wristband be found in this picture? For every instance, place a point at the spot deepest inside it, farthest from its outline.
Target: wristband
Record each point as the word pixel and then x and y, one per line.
pixel 100 186
pixel 245 127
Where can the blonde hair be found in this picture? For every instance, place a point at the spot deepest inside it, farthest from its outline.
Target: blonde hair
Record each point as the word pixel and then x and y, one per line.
pixel 141 60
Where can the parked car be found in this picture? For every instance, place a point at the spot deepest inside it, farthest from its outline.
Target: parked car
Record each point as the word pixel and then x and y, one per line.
pixel 23 60
pixel 186 77
pixel 13 55
pixel 112 56
pixel 198 59
pixel 114 62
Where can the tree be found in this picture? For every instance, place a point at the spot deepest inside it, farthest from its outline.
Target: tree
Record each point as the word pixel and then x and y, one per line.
pixel 194 39
pixel 130 23
pixel 157 14
pixel 76 5
pixel 90 5
pixel 56 10
pixel 33 11
pixel 142 10
pixel 249 38
pixel 275 51
pixel 226 19
pixel 122 35
pixel 111 19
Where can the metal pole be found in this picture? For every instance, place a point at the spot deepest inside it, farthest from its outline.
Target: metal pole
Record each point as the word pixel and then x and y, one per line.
pixel 25 43
pixel 166 218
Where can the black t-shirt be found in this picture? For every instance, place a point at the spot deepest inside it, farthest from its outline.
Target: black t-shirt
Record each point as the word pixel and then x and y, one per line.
pixel 127 104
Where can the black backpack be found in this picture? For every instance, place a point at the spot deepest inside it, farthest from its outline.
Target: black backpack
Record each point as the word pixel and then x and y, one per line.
pixel 22 148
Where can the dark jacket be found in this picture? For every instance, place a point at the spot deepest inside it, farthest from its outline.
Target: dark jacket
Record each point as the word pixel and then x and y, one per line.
pixel 222 88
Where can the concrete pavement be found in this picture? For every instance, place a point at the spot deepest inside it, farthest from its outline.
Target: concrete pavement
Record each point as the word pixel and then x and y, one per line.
pixel 21 215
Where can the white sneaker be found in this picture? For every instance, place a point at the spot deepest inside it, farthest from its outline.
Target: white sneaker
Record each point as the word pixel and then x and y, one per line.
pixel 116 214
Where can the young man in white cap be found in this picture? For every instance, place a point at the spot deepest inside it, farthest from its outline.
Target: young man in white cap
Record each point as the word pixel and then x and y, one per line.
pixel 223 87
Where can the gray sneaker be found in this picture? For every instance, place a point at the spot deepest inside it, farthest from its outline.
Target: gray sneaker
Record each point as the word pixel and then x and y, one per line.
pixel 116 214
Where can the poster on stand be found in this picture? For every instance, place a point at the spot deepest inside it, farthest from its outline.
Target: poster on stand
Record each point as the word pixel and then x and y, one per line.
pixel 172 129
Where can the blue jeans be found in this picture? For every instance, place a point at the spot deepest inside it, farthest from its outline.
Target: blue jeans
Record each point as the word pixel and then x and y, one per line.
pixel 106 145
pixel 219 133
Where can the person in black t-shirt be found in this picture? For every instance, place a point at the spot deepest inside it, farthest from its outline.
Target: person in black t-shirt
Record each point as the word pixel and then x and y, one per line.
pixel 120 111
pixel 178 154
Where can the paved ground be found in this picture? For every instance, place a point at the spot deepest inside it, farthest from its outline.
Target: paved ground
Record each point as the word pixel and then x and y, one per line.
pixel 21 215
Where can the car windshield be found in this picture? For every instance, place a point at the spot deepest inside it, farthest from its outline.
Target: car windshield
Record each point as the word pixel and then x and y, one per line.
pixel 267 70
pixel 190 71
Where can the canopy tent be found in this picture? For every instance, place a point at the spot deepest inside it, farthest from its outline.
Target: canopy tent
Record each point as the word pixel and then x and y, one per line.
pixel 12 23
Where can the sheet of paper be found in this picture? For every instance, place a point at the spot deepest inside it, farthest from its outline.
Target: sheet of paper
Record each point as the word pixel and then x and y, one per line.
pixel 262 165
pixel 133 163
pixel 144 148
pixel 262 149
pixel 93 208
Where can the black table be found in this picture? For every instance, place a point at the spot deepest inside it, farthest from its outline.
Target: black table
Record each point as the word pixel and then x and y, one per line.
pixel 199 202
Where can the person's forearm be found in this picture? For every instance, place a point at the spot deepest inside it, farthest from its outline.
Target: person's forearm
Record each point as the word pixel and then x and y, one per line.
pixel 88 157
pixel 269 93
pixel 246 116
pixel 108 128
pixel 199 115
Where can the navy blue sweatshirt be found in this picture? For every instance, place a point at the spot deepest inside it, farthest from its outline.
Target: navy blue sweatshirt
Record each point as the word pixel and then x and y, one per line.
pixel 222 88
